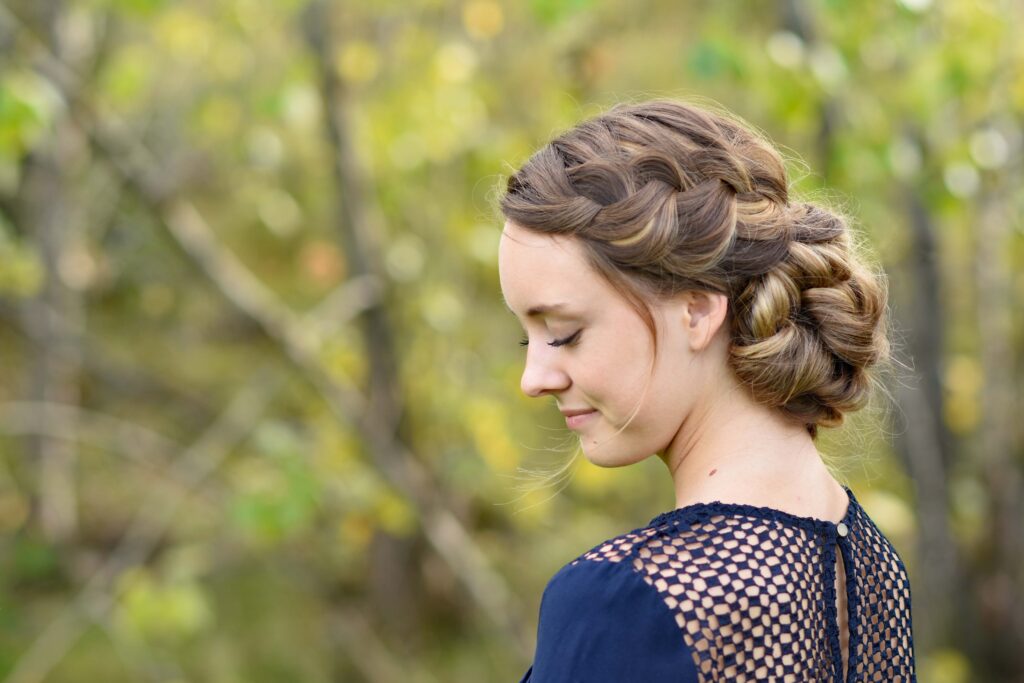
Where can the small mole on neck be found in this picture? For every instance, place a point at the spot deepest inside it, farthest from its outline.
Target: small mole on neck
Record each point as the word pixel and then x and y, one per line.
pixel 712 473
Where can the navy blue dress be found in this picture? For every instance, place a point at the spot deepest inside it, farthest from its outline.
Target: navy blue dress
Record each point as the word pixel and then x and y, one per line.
pixel 729 592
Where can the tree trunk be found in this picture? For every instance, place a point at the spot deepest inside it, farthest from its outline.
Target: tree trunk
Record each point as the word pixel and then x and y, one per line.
pixel 1000 601
pixel 46 213
pixel 923 439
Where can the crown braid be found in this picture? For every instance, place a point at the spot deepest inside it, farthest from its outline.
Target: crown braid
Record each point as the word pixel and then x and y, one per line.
pixel 667 197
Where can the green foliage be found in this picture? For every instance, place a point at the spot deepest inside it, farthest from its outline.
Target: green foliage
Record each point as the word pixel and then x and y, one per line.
pixel 141 8
pixel 27 105
pixel 550 12
pixel 275 493
pixel 710 59
pixel 274 566
pixel 32 560
pixel 160 612
pixel 21 273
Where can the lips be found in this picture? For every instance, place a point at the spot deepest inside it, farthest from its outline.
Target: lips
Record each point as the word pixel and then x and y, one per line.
pixel 577 418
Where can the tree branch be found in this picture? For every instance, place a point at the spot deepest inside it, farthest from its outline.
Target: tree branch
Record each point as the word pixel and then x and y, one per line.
pixel 300 343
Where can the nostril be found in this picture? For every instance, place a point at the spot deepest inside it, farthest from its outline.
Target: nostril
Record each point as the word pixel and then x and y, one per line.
pixel 540 379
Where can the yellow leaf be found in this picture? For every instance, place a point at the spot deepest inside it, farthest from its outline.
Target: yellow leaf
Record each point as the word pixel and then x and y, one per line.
pixel 485 419
pixel 483 19
pixel 945 666
pixel 590 478
pixel 185 34
pixel 357 61
pixel 355 531
pixel 395 514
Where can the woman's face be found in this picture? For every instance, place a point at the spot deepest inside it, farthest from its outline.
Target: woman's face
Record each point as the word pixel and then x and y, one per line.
pixel 603 359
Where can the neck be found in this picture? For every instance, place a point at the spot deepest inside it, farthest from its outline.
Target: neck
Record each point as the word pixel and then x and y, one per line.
pixel 736 450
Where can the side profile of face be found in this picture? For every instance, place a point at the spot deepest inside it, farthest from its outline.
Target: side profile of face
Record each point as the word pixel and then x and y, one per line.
pixel 590 350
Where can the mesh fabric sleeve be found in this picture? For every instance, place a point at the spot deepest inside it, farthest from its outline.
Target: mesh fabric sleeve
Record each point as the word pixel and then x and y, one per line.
pixel 601 622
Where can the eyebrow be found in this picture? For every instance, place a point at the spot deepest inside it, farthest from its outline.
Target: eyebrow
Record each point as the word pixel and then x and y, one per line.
pixel 542 309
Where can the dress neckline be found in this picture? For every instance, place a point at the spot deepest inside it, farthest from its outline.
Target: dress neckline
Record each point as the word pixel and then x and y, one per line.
pixel 759 512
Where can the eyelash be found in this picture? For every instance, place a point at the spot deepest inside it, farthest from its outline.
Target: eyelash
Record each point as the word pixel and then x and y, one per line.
pixel 571 339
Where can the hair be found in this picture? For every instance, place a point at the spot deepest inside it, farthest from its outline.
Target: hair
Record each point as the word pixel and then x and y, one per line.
pixel 666 197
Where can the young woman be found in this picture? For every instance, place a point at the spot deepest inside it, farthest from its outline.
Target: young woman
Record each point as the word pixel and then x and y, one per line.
pixel 677 302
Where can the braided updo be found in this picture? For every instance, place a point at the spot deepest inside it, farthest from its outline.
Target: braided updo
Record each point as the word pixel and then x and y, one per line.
pixel 666 197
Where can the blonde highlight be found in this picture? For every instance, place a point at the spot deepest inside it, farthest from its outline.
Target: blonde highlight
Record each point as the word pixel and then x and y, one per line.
pixel 666 197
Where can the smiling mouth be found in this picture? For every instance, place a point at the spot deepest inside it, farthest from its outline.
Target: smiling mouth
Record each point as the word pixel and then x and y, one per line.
pixel 574 421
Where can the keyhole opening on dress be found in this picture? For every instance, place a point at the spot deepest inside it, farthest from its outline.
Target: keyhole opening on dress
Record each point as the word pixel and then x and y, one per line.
pixel 841 612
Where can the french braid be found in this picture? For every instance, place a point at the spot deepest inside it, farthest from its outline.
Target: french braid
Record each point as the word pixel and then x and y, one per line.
pixel 667 197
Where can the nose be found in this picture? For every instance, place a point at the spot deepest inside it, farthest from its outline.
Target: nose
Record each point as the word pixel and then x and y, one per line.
pixel 542 375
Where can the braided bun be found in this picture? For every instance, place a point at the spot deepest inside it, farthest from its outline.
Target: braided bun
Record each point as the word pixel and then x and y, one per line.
pixel 806 332
pixel 667 197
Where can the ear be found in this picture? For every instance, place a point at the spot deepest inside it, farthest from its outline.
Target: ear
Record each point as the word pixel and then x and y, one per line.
pixel 704 312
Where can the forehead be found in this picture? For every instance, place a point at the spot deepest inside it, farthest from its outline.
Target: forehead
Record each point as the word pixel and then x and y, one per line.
pixel 537 269
pixel 520 248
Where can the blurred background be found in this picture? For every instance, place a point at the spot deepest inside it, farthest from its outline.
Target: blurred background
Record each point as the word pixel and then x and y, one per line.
pixel 260 416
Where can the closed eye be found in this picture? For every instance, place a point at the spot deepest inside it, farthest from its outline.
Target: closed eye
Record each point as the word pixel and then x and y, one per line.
pixel 574 337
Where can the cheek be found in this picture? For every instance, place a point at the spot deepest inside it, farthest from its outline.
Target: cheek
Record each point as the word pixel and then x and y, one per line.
pixel 617 367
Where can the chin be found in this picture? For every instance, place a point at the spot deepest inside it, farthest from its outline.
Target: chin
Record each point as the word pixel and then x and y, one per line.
pixel 606 454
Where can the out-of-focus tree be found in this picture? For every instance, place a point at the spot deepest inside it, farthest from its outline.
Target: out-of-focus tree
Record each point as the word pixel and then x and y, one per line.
pixel 260 416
